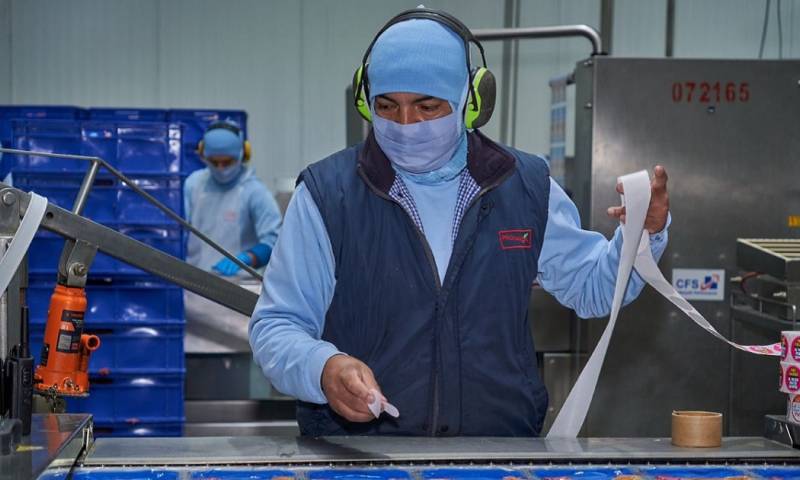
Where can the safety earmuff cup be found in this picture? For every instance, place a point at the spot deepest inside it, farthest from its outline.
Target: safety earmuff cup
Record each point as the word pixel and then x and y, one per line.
pixel 360 96
pixel 481 98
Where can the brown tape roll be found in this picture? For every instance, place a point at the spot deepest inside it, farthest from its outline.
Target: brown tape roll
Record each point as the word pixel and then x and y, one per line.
pixel 696 429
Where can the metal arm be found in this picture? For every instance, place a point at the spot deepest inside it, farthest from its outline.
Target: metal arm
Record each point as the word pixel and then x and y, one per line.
pixel 83 195
pixel 584 31
pixel 79 229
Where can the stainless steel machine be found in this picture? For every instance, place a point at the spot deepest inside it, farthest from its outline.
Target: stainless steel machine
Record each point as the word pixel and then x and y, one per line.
pixel 765 300
pixel 727 133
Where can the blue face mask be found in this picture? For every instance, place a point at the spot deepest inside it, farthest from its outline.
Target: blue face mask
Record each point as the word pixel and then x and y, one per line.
pixel 419 147
pixel 423 146
pixel 226 175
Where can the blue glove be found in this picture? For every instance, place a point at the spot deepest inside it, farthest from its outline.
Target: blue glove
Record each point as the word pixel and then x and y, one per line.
pixel 226 266
pixel 262 252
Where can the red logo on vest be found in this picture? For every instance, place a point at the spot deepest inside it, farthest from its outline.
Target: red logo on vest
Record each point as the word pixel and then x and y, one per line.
pixel 515 239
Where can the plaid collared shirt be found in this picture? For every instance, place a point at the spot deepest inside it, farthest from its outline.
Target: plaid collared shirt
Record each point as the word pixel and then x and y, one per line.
pixel 467 191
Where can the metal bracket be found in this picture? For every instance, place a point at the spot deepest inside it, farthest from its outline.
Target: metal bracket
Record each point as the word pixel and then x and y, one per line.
pixel 76 258
pixel 10 214
pixel 96 237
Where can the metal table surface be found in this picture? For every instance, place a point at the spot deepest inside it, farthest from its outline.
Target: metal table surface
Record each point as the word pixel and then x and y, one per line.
pixel 55 438
pixel 300 451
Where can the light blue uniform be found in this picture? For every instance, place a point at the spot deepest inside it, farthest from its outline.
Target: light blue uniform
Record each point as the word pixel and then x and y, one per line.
pixel 238 215
pixel 578 267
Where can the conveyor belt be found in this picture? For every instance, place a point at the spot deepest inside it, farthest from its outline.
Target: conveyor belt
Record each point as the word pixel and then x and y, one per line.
pixel 371 451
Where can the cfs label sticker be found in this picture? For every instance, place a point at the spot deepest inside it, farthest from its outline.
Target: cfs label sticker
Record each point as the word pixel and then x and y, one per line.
pixel 699 283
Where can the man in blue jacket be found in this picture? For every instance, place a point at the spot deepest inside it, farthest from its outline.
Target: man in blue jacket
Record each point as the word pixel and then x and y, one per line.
pixel 405 264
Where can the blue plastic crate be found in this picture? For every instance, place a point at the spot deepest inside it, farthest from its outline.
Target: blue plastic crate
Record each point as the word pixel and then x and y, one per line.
pixel 52 136
pixel 472 473
pixel 126 349
pixel 100 139
pixel 110 201
pixel 194 124
pixel 191 160
pixel 196 121
pixel 126 114
pixel 105 473
pixel 135 147
pixel 778 473
pixel 359 474
pixel 52 112
pixel 675 473
pixel 46 249
pixel 149 147
pixel 244 474
pixel 587 473
pixel 132 398
pixel 140 302
pixel 61 189
pixel 138 429
pixel 132 208
pixel 13 112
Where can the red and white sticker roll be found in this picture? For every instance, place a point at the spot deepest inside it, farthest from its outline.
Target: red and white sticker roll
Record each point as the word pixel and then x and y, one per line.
pixel 793 409
pixel 790 346
pixel 790 377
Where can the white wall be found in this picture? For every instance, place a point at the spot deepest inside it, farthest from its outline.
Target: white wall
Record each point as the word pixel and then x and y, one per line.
pixel 5 51
pixel 287 62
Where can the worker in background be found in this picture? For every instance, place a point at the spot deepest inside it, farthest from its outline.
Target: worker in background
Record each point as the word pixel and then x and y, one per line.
pixel 404 267
pixel 227 202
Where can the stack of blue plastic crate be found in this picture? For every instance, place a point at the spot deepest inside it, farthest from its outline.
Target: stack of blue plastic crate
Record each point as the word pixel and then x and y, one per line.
pixel 137 374
pixel 194 124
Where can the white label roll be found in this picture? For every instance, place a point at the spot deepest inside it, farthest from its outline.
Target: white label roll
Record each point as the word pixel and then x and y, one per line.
pixel 790 346
pixel 793 409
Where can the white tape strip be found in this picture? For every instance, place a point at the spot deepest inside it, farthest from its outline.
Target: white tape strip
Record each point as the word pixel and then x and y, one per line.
pixel 636 201
pixel 22 240
pixel 635 252
pixel 646 267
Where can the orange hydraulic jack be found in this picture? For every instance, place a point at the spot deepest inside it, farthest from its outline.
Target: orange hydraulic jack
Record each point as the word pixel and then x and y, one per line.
pixel 66 349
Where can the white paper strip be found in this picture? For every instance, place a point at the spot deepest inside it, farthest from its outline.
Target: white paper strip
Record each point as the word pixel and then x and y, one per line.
pixel 636 201
pixel 635 253
pixel 22 240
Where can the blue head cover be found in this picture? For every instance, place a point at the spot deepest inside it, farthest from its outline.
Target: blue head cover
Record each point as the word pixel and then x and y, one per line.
pixel 418 56
pixel 223 142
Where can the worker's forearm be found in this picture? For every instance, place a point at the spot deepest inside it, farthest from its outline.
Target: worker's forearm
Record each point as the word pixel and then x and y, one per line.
pixel 290 358
pixel 579 267
pixel 287 324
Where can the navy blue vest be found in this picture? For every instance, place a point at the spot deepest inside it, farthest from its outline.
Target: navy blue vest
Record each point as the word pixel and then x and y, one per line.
pixel 455 358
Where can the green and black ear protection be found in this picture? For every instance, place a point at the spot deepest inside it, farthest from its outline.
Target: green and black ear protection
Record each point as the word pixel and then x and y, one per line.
pixel 482 86
pixel 246 148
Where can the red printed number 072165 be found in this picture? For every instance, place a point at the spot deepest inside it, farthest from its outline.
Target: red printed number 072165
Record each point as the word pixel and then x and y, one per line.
pixel 710 92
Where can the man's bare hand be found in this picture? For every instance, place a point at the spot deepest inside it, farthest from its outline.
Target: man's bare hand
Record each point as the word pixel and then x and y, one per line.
pixel 347 382
pixel 657 213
